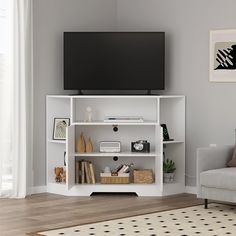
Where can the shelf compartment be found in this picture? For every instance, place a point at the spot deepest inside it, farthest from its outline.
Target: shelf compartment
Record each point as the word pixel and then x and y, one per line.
pixel 114 106
pixel 125 135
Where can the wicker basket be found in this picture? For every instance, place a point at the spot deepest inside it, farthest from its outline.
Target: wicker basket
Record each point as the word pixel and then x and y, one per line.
pixel 120 179
pixel 143 176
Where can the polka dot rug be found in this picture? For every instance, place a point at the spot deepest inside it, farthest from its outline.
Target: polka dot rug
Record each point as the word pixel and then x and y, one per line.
pixel 217 220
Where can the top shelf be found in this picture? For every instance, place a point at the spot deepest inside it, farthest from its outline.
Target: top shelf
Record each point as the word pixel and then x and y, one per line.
pixel 116 96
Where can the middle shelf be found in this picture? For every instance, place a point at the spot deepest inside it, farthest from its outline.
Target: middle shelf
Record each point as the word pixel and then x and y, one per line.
pixel 120 154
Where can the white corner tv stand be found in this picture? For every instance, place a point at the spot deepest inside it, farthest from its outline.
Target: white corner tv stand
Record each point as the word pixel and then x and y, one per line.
pixel 155 110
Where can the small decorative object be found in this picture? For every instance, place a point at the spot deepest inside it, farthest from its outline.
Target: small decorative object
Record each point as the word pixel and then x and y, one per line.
pixel 140 146
pixel 110 146
pixel 223 55
pixel 169 170
pixel 64 158
pixel 58 172
pixel 88 114
pixel 107 169
pixel 143 176
pixel 64 176
pixel 59 128
pixel 81 147
pixel 89 146
pixel 165 133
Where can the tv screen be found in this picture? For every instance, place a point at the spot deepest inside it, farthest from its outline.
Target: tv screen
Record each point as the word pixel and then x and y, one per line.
pixel 114 60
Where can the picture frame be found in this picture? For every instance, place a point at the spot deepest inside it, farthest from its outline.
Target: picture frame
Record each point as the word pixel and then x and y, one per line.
pixel 166 136
pixel 59 128
pixel 222 65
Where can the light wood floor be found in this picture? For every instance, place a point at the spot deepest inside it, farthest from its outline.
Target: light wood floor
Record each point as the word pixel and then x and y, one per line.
pixel 48 211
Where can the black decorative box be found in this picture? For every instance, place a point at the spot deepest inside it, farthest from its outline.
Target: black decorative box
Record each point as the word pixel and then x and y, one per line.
pixel 140 146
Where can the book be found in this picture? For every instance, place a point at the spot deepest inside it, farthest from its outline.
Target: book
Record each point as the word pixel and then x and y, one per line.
pixel 76 171
pixel 87 174
pixel 117 168
pixel 124 167
pixel 79 172
pixel 92 173
pixel 82 172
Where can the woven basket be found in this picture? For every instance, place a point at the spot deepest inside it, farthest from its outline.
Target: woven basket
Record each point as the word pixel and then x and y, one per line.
pixel 108 179
pixel 143 176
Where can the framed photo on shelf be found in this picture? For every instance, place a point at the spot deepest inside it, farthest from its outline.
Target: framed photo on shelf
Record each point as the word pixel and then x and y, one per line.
pixel 59 128
pixel 222 56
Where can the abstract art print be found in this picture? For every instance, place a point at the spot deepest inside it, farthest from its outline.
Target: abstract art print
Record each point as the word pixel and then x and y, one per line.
pixel 223 56
pixel 59 129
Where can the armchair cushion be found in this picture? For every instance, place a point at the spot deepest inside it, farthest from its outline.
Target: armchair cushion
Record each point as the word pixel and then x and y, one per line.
pixel 223 178
pixel 232 162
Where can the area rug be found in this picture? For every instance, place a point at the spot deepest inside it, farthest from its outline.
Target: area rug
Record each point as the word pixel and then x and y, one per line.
pixel 218 220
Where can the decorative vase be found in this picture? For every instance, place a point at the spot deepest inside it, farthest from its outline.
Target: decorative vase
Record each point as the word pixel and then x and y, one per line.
pixel 88 114
pixel 89 146
pixel 169 177
pixel 80 147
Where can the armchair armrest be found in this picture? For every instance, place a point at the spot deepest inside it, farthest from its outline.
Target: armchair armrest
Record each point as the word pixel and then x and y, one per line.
pixel 212 158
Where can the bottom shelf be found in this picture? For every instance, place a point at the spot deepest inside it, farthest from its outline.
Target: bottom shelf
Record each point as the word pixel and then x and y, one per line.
pixel 88 189
pixel 140 189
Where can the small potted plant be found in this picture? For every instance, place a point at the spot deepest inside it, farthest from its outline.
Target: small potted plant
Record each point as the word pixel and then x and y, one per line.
pixel 169 171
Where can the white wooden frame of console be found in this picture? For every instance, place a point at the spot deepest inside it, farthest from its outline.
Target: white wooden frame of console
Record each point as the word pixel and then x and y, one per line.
pixel 155 110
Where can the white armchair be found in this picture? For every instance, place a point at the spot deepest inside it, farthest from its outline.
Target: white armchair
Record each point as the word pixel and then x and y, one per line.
pixel 215 180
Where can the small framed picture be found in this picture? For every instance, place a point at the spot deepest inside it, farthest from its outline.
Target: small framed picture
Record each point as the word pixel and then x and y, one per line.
pixel 59 128
pixel 166 136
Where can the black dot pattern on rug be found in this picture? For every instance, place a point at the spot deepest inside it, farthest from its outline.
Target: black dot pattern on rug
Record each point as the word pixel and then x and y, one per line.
pixel 189 221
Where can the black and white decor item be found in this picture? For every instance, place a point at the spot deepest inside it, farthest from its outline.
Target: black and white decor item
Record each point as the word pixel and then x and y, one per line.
pixel 223 56
pixel 59 128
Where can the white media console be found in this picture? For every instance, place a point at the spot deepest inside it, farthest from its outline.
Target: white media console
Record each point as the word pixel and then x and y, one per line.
pixel 155 110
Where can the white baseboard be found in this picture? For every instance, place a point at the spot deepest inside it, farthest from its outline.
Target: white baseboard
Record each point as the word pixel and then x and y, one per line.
pixel 37 189
pixel 191 189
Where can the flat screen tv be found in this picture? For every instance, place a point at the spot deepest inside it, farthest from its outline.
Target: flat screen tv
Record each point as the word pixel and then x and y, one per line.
pixel 114 60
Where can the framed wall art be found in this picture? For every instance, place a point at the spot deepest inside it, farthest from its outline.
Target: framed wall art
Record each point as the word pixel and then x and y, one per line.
pixel 59 128
pixel 223 55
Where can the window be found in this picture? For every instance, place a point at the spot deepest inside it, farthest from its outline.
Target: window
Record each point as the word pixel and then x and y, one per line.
pixel 5 96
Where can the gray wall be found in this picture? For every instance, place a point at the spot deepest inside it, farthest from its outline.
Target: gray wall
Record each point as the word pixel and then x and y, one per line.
pixel 210 106
pixel 210 117
pixel 51 18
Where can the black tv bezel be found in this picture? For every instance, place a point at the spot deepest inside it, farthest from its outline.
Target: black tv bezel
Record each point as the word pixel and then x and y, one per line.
pixel 148 89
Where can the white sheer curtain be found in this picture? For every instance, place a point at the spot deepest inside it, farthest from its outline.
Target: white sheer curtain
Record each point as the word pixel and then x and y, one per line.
pixel 15 97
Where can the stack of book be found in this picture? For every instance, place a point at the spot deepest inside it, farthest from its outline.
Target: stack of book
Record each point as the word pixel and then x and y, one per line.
pixel 84 172
pixel 121 169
